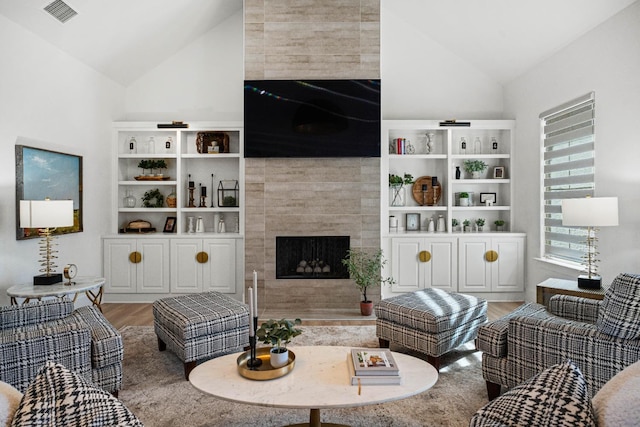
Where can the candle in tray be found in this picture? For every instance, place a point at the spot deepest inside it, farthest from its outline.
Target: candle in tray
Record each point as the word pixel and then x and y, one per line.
pixel 255 286
pixel 251 333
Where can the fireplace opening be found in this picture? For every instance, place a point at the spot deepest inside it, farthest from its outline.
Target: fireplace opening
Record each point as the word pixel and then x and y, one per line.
pixel 311 257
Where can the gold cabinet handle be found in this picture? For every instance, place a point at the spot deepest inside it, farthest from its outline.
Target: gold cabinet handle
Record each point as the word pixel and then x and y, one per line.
pixel 491 256
pixel 135 257
pixel 425 256
pixel 202 257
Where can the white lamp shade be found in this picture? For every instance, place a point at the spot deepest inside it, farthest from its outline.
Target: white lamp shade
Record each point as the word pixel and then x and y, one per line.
pixel 46 213
pixel 590 212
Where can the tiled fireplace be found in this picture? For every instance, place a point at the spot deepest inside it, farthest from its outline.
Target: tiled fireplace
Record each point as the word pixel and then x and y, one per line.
pixel 310 198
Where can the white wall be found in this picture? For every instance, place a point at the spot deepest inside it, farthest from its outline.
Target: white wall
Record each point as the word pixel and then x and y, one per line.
pixel 202 82
pixel 607 61
pixel 423 80
pixel 49 100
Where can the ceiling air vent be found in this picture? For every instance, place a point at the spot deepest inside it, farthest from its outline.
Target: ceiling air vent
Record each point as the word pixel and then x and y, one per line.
pixel 60 10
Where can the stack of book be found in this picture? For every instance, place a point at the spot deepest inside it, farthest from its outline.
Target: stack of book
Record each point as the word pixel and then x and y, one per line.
pixel 372 366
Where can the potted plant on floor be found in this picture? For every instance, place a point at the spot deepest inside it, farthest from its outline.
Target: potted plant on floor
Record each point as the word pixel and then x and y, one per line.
pixel 278 333
pixel 475 167
pixel 365 269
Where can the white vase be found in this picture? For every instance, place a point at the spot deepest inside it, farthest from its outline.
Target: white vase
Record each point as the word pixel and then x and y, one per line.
pixel 278 360
pixel 464 201
pixel 476 174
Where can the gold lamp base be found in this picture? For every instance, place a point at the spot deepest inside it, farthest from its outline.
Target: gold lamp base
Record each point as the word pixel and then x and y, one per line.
pixel 43 279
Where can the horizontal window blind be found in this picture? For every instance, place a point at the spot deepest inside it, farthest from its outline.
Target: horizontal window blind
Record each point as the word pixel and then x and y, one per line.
pixel 568 171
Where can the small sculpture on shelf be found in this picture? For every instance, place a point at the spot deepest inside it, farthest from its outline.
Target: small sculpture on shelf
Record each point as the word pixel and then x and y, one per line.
pixel 192 187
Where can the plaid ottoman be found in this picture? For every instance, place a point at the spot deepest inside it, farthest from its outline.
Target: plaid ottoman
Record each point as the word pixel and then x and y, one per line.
pixel 430 321
pixel 202 326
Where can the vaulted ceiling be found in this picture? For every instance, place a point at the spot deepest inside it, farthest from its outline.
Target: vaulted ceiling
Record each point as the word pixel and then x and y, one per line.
pixel 124 39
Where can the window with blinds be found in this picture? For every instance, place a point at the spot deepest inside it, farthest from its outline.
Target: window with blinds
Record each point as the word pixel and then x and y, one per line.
pixel 568 139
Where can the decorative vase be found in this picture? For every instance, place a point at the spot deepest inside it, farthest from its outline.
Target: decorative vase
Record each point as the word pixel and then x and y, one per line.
pixel 480 228
pixel 458 173
pixel 278 360
pixel 397 195
pixel 129 201
pixel 464 201
pixel 366 308
pixel 499 227
pixel 476 174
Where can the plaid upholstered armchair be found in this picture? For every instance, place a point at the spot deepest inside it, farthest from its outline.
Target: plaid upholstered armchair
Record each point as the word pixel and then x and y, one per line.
pixel 82 340
pixel 600 337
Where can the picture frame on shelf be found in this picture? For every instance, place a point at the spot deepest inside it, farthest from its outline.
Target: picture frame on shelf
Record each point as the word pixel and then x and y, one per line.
pixel 498 172
pixel 488 199
pixel 169 225
pixel 412 222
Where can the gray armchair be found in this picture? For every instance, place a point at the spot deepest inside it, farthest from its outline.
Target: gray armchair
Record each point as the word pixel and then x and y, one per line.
pixel 600 337
pixel 82 340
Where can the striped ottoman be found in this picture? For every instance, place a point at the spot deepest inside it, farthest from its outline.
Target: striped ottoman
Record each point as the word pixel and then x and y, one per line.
pixel 430 321
pixel 201 326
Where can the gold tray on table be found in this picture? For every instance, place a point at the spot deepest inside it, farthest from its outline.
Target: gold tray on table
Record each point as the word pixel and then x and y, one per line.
pixel 264 371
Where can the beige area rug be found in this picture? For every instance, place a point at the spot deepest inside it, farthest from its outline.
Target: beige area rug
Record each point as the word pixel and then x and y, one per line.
pixel 155 389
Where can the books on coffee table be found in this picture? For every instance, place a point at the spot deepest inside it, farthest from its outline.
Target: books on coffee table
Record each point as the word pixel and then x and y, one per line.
pixel 373 361
pixel 372 367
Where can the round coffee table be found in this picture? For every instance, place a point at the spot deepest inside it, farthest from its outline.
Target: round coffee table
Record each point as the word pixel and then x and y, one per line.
pixel 319 380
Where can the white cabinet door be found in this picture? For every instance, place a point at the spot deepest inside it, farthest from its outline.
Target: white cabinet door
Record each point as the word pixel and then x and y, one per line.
pixel 474 272
pixel 441 270
pixel 406 268
pixel 436 268
pixel 219 273
pixel 136 265
pixel 203 265
pixel 186 271
pixel 478 273
pixel 508 271
pixel 119 272
pixel 152 275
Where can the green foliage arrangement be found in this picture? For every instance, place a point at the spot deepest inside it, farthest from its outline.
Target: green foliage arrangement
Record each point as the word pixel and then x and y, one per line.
pixel 455 222
pixel 153 199
pixel 278 333
pixel 407 178
pixel 464 195
pixel 480 222
pixel 466 223
pixel 366 269
pixel 471 166
pixel 499 222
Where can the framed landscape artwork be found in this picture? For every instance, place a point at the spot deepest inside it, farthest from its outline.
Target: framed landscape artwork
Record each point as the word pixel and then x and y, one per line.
pixel 43 173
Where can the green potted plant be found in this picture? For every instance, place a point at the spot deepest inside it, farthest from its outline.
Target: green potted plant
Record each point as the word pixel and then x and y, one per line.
pixel 464 198
pixel 475 167
pixel 466 224
pixel 396 188
pixel 499 224
pixel 365 269
pixel 455 224
pixel 157 165
pixel 144 165
pixel 480 224
pixel 278 333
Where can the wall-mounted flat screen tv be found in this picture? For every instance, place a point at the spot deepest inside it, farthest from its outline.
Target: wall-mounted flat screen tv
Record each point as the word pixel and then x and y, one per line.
pixel 312 118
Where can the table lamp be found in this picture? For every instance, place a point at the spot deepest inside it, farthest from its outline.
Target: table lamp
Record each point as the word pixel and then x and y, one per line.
pixel 590 212
pixel 46 215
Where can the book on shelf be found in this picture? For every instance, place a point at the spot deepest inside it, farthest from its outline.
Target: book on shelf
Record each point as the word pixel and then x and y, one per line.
pixel 373 361
pixel 371 379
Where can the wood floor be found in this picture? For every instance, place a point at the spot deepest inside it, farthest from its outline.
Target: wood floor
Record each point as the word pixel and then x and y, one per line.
pixel 137 314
